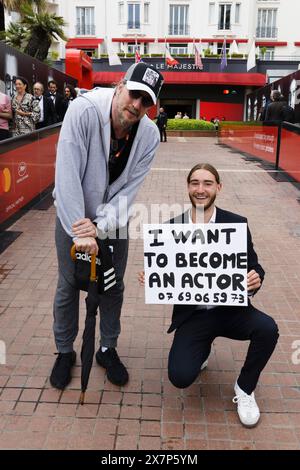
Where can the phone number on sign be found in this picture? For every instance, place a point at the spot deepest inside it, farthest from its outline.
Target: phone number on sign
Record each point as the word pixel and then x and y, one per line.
pixel 206 298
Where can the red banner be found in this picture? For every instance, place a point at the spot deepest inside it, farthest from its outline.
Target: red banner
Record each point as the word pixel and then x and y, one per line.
pixel 257 140
pixel 25 172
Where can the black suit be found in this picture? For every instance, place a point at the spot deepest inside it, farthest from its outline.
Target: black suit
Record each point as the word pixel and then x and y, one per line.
pixel 196 329
pixel 275 111
pixel 58 105
pixel 49 113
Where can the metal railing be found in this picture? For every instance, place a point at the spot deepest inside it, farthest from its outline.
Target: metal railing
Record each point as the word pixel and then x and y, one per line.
pixel 85 29
pixel 178 30
pixel 266 32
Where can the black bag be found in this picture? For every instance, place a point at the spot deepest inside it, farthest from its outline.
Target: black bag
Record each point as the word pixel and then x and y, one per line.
pixel 104 268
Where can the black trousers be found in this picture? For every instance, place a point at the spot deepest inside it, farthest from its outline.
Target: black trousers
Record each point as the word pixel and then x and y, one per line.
pixel 192 343
pixel 163 134
pixel 4 134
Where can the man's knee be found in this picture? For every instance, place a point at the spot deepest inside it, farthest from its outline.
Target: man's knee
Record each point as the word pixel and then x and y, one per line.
pixel 180 378
pixel 269 330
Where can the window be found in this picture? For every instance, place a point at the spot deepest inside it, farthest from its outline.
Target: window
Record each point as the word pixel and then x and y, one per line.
pixel 132 47
pixel 224 15
pixel 211 13
pixel 237 12
pixel 178 24
pixel 267 53
pixel 220 47
pixel 134 21
pixel 121 12
pixel 266 23
pixel 146 13
pixel 178 49
pixel 85 24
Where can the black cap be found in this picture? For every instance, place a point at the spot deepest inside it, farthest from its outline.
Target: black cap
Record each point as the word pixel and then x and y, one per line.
pixel 141 76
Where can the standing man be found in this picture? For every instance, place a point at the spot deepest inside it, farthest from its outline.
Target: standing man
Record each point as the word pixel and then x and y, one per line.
pixel 5 115
pixel 48 115
pixel 275 109
pixel 57 99
pixel 196 327
pixel 105 150
pixel 161 122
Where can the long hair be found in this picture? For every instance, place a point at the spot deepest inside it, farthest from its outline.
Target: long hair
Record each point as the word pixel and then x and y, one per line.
pixel 204 166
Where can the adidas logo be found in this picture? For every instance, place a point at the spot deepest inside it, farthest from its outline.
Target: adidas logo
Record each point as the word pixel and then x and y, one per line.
pixel 86 257
pixel 109 279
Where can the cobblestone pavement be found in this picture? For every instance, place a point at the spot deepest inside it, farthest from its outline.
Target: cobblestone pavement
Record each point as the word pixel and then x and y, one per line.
pixel 149 413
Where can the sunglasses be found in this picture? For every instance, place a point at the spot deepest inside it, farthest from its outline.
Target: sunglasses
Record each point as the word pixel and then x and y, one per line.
pixel 146 99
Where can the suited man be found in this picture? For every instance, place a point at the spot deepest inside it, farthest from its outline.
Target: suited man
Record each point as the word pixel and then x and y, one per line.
pixel 275 109
pixel 57 99
pixel 161 122
pixel 48 115
pixel 196 327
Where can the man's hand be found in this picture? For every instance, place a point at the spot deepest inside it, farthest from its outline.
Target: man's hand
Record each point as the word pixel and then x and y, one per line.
pixel 253 280
pixel 141 278
pixel 84 228
pixel 87 245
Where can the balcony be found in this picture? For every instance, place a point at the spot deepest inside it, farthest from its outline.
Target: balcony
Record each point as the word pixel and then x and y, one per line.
pixel 85 30
pixel 178 30
pixel 266 32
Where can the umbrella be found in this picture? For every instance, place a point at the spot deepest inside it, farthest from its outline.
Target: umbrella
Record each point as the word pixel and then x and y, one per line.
pixel 88 337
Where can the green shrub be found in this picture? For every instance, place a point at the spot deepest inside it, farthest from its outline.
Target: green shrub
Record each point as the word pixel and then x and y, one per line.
pixel 121 54
pixel 145 55
pixel 130 54
pixel 181 55
pixel 157 55
pixel 189 124
pixel 237 56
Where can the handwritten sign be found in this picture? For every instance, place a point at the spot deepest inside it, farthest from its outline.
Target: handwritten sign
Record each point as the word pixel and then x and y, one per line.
pixel 203 264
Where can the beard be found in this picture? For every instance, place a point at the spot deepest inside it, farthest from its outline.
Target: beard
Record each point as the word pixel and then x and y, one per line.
pixel 127 123
pixel 201 207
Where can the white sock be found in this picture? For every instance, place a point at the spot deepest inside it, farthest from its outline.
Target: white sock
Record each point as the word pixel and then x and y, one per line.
pixel 104 348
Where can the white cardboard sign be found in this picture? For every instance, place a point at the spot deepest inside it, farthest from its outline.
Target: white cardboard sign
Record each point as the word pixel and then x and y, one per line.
pixel 203 264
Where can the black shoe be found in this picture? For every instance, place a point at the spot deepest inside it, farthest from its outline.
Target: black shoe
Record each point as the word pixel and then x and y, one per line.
pixel 115 370
pixel 61 373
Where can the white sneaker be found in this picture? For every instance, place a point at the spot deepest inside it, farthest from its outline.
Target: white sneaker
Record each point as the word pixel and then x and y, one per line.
pixel 247 408
pixel 204 364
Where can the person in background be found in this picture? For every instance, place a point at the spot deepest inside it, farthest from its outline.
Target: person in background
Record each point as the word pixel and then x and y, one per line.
pixel 57 99
pixel 26 110
pixel 178 115
pixel 161 122
pixel 5 115
pixel 69 95
pixel 48 115
pixel 274 110
pixel 185 116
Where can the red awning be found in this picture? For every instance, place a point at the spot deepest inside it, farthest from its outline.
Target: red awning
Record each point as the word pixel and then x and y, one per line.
pixel 83 43
pixel 137 39
pixel 270 43
pixel 191 78
pixel 297 43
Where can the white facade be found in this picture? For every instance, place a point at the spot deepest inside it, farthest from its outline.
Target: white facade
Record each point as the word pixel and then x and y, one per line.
pixel 269 21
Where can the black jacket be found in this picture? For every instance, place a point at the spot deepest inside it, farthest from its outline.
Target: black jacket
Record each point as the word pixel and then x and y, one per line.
pixel 162 120
pixel 274 111
pixel 182 312
pixel 49 113
pixel 59 108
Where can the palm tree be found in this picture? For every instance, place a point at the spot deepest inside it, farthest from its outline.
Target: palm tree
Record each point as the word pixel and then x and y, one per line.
pixel 42 28
pixel 15 35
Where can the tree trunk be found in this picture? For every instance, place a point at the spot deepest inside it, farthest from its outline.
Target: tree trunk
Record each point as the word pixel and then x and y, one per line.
pixel 2 18
pixel 38 46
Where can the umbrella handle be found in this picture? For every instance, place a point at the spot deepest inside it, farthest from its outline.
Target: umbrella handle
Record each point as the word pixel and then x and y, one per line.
pixel 93 274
